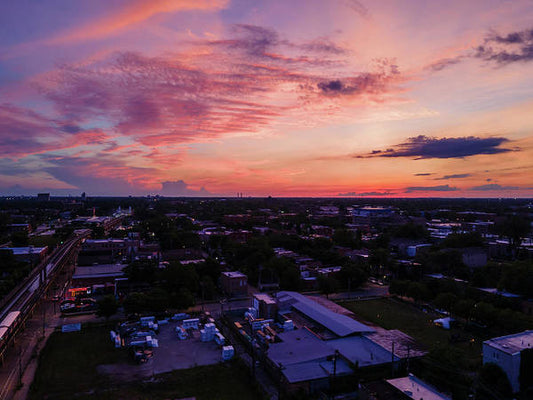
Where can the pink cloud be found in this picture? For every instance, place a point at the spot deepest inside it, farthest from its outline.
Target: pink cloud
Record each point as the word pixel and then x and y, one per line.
pixel 201 95
pixel 24 132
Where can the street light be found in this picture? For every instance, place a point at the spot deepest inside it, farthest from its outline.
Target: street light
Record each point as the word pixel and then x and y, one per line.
pixel 281 367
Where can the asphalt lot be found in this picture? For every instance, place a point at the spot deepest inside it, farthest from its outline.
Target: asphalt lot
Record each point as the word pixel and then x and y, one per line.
pixel 171 354
pixel 174 353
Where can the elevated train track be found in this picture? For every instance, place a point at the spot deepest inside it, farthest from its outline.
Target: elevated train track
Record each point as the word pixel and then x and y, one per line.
pixel 19 304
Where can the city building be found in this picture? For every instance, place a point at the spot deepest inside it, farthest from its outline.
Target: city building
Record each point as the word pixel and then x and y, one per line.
pixel 474 257
pixel 97 275
pixel 406 388
pixel 234 283
pixel 506 351
pixel 27 254
pixel 326 343
pixel 43 196
pixel 265 305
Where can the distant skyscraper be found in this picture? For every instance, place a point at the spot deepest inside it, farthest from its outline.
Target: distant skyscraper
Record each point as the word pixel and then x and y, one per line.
pixel 43 196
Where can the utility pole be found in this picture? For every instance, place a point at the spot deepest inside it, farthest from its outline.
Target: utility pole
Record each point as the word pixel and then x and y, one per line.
pixel 253 359
pixel 44 314
pixel 392 361
pixel 203 299
pixel 408 356
pixel 20 365
pixel 334 374
pixel 279 383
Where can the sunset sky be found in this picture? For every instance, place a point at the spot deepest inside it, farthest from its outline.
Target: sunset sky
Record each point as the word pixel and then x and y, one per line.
pixel 283 98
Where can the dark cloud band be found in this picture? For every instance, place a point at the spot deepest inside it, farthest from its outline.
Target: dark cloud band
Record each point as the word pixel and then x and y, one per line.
pixel 422 147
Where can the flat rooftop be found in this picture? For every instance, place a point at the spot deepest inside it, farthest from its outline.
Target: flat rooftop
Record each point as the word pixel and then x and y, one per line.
pixel 298 346
pixel 265 297
pixel 19 251
pixel 99 241
pixel 98 271
pixel 314 370
pixel 361 350
pixel 417 389
pixel 339 324
pixel 512 344
pixel 234 274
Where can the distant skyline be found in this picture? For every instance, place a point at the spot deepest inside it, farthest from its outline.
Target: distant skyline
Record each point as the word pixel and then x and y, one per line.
pixel 283 98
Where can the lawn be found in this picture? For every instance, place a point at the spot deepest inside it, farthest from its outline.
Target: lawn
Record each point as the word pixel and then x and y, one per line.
pixel 68 368
pixel 68 362
pixel 391 314
pixel 395 314
pixel 226 381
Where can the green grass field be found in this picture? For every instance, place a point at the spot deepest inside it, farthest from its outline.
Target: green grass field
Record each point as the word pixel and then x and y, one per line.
pixel 68 369
pixel 68 362
pixel 394 314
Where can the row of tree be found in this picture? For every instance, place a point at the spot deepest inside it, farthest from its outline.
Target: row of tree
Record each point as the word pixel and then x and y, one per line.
pixel 467 303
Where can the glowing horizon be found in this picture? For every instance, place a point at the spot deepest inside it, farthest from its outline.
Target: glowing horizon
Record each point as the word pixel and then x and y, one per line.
pixel 297 99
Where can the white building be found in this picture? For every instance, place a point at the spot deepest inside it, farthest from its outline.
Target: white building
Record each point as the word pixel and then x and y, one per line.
pixel 505 352
pixel 416 388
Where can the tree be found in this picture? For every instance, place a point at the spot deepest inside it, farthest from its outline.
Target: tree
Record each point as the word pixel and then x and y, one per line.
pixel 327 284
pixel 135 303
pixel 158 300
pixel 485 312
pixel 182 299
pixel 210 268
pixel 517 277
pixel 411 230
pixel 418 291
pixel 445 301
pixel 141 271
pixel 344 237
pixel 177 276
pixel 379 260
pixel 494 378
pixel 19 239
pixel 399 287
pixel 353 275
pixel 461 240
pixel 464 308
pixel 208 288
pixel 107 306
pixel 515 228
pixel 285 271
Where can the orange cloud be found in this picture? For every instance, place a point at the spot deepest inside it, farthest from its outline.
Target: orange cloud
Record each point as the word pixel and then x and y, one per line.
pixel 135 13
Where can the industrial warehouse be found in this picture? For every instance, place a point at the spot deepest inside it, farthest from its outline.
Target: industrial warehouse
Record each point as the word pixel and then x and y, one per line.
pixel 308 344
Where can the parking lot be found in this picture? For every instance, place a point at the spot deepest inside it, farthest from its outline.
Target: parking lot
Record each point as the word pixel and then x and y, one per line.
pixel 172 354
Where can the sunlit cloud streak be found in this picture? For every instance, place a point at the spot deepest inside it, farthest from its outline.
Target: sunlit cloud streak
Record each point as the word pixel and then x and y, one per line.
pixel 159 100
pixel 367 194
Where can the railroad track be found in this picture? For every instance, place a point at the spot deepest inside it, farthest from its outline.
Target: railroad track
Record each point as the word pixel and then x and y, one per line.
pixel 26 295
